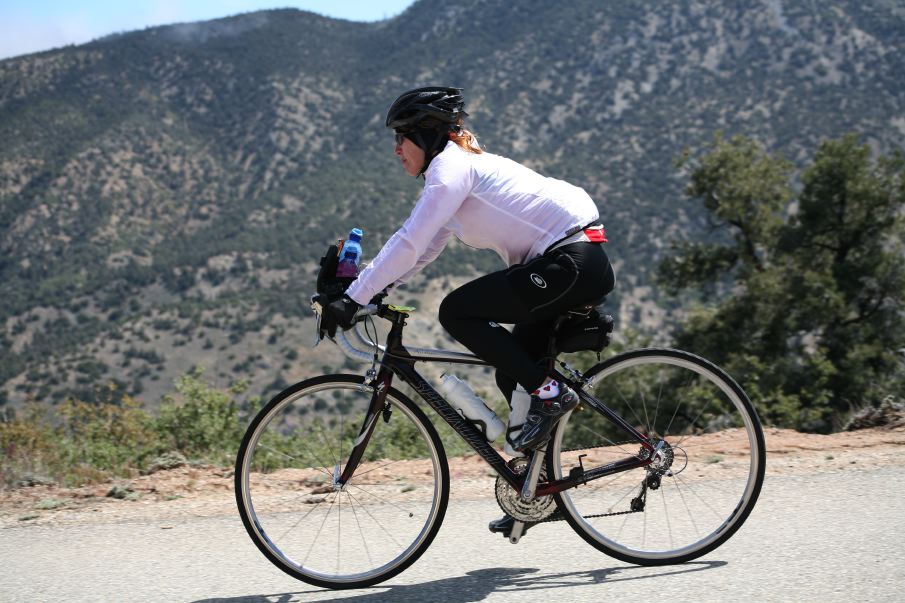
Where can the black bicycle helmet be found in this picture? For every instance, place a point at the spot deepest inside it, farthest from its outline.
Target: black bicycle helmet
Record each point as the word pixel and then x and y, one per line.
pixel 433 107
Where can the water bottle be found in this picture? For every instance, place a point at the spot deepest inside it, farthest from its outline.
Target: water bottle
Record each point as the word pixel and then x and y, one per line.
pixel 471 407
pixel 350 255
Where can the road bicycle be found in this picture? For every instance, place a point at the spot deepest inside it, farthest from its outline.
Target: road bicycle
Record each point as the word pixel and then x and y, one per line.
pixel 342 481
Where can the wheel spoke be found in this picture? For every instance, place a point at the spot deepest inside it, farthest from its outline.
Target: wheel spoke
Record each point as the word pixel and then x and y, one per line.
pixel 721 442
pixel 606 439
pixel 328 446
pixel 671 419
pixel 644 531
pixel 373 469
pixel 339 528
pixel 659 394
pixel 621 498
pixel 692 424
pixel 630 406
pixel 385 500
pixel 377 522
pixel 687 510
pixel 598 487
pixel 320 466
pixel 666 515
pixel 622 527
pixel 341 432
pixel 695 494
pixel 644 406
pixel 316 536
pixel 714 423
pixel 709 484
pixel 383 523
pixel 301 519
pixel 364 541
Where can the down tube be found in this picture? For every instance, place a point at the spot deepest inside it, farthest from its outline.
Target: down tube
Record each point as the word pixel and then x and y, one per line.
pixel 471 435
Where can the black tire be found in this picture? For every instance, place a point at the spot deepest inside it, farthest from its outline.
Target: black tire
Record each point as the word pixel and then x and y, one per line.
pixel 707 478
pixel 283 467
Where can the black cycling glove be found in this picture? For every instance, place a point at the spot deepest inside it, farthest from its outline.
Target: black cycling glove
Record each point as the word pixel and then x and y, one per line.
pixel 378 298
pixel 340 313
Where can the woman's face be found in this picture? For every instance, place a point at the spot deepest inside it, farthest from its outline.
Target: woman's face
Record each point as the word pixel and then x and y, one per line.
pixel 411 155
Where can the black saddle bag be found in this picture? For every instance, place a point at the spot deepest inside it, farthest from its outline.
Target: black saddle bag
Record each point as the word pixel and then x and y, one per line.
pixel 584 333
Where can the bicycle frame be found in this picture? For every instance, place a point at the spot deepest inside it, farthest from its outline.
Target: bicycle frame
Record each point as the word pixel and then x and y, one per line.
pixel 398 361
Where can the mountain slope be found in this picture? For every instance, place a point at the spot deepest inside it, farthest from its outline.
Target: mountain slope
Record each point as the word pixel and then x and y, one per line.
pixel 164 194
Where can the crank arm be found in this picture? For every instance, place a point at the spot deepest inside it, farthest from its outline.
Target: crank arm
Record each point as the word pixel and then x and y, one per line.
pixel 518 528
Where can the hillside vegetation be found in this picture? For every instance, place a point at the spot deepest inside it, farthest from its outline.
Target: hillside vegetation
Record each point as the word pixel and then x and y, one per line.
pixel 165 194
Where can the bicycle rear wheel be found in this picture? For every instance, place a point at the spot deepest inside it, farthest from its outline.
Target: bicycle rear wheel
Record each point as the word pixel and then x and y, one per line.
pixel 373 527
pixel 706 477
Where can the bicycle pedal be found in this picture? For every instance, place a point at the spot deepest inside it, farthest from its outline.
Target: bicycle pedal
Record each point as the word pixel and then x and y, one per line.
pixel 507 526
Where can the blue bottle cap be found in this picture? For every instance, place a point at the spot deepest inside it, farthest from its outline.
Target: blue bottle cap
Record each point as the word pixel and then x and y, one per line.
pixel 355 234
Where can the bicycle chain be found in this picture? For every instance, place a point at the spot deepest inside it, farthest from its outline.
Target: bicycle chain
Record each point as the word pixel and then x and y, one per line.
pixel 558 516
pixel 561 518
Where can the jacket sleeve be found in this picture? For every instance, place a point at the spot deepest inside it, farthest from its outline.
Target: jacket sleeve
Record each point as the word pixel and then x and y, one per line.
pixel 424 233
pixel 433 250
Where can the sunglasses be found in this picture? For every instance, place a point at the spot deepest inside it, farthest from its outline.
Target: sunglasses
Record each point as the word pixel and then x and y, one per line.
pixel 400 137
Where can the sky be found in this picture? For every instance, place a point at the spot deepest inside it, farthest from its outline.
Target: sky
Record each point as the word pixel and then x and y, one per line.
pixel 32 26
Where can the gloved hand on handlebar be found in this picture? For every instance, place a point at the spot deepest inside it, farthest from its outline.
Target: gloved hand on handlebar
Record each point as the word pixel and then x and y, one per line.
pixel 339 313
pixel 378 298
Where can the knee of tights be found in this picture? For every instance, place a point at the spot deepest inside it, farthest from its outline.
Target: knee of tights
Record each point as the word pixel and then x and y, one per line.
pixel 447 313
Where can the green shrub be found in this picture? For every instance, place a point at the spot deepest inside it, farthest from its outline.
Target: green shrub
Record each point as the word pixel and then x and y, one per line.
pixel 202 422
pixel 115 436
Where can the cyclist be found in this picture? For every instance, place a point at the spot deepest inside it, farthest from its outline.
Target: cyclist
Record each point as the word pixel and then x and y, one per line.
pixel 547 232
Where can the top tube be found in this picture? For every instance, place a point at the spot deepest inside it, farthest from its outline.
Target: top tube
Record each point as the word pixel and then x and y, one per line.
pixel 361 348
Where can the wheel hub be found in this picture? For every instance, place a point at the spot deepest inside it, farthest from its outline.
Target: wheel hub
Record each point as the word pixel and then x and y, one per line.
pixel 662 458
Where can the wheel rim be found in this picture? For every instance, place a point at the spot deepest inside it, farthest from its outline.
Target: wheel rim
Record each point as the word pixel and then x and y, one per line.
pixel 707 474
pixel 365 530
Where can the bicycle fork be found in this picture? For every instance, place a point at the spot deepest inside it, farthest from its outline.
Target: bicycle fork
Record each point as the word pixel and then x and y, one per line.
pixel 379 387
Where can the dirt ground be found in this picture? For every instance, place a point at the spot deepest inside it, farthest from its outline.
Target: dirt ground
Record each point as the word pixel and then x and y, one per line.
pixel 185 492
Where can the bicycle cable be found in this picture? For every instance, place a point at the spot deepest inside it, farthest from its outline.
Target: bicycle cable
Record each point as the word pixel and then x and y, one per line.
pixel 372 372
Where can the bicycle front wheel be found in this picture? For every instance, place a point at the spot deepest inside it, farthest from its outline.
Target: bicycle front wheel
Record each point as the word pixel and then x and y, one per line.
pixel 376 524
pixel 706 475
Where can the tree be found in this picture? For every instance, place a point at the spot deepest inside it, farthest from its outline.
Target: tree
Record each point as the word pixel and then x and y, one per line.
pixel 806 289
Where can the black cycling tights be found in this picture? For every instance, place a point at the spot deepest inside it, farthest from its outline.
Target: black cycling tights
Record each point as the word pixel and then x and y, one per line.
pixel 530 296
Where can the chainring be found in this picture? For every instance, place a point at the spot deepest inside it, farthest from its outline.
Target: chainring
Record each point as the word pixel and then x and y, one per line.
pixel 511 502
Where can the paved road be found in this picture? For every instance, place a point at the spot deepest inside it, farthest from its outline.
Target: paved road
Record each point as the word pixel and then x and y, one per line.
pixel 827 537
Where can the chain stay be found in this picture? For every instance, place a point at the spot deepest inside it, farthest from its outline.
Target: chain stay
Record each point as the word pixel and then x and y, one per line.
pixel 557 515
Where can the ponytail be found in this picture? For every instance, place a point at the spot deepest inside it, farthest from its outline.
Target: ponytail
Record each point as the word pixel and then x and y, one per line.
pixel 466 141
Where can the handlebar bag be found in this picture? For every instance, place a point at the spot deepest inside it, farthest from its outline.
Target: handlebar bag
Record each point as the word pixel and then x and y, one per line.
pixel 327 282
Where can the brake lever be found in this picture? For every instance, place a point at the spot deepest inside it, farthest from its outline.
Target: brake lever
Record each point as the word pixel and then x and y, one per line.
pixel 318 310
pixel 317 331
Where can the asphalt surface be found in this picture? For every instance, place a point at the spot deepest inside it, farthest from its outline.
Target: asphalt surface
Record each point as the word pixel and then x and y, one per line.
pixel 823 537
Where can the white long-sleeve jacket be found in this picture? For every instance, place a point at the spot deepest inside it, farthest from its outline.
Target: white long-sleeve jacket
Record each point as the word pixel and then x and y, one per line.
pixel 487 202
